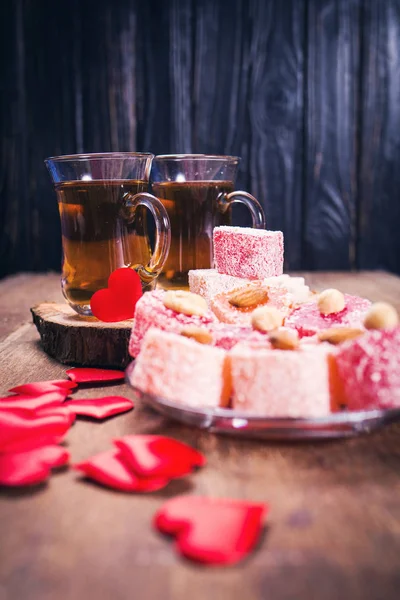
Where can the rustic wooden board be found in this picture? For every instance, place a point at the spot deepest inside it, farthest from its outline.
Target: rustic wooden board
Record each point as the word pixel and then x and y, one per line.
pixel 331 125
pixel 82 341
pixel 379 173
pixel 334 527
pixel 306 91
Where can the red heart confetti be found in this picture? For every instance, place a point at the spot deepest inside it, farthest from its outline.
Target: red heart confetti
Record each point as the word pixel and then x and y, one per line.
pixel 117 302
pixel 63 411
pixel 109 469
pixel 63 386
pixel 100 408
pixel 89 375
pixel 27 468
pixel 212 531
pixel 31 403
pixel 20 430
pixel 159 456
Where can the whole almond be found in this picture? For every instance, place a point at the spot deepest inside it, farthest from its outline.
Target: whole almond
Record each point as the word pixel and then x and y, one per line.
pixel 266 318
pixel 330 301
pixel 381 315
pixel 284 339
pixel 337 335
pixel 249 296
pixel 185 303
pixel 200 334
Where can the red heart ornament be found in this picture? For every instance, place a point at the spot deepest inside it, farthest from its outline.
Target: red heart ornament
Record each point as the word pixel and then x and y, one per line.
pixel 36 388
pixel 159 456
pixel 21 430
pixel 109 469
pixel 90 375
pixel 212 530
pixel 32 403
pixel 27 468
pixel 99 408
pixel 117 302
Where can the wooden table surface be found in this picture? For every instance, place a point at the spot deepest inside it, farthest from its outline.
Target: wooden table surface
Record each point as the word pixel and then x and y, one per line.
pixel 334 525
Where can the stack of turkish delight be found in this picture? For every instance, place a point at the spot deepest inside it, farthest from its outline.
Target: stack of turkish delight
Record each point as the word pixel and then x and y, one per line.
pixel 248 337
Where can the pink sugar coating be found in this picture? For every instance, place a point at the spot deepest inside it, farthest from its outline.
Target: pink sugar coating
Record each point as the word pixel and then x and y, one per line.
pixel 150 311
pixel 227 336
pixel 281 383
pixel 248 253
pixel 369 367
pixel 308 320
pixel 180 370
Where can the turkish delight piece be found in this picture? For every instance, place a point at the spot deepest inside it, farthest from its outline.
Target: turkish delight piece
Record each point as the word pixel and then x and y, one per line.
pixel 369 368
pixel 182 370
pixel 281 383
pixel 151 311
pixel 236 307
pixel 308 319
pixel 208 282
pixel 249 253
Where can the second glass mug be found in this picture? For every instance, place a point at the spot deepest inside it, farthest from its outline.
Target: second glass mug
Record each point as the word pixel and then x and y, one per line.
pixel 197 191
pixel 102 202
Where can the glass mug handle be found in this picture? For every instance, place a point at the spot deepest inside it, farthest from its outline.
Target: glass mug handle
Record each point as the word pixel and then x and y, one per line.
pixel 255 208
pixel 163 232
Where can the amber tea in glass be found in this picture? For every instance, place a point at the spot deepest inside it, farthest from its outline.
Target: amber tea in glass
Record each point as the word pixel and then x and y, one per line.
pixel 102 200
pixel 197 193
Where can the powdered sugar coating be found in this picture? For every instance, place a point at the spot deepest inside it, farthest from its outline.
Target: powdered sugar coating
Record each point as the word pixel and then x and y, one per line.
pixel 369 367
pixel 150 311
pixel 248 253
pixel 284 292
pixel 208 283
pixel 308 320
pixel 181 370
pixel 281 383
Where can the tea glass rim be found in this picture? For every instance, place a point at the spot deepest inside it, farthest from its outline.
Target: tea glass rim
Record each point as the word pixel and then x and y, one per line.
pixel 98 156
pixel 216 157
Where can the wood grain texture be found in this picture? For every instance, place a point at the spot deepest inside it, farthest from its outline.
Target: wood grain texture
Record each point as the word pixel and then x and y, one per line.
pixel 81 341
pixel 334 527
pixel 379 211
pixel 331 125
pixel 305 91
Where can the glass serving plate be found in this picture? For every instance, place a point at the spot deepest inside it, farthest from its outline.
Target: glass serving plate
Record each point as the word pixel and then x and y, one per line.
pixel 231 422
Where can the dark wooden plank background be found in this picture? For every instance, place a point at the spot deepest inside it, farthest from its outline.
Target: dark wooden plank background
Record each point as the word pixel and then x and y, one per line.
pixel 306 91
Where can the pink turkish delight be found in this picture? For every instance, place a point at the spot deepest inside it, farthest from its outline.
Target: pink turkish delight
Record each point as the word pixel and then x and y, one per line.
pixel 281 383
pixel 308 319
pixel 369 369
pixel 282 292
pixel 249 253
pixel 227 336
pixel 150 311
pixel 181 370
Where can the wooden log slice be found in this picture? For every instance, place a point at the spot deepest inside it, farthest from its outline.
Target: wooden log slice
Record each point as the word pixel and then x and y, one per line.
pixel 82 341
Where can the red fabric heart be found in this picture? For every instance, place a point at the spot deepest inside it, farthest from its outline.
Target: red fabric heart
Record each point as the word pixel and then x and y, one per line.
pixel 159 456
pixel 213 531
pixel 62 411
pixel 89 375
pixel 117 302
pixel 31 403
pixel 27 468
pixel 21 430
pixel 109 469
pixel 100 408
pixel 36 388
